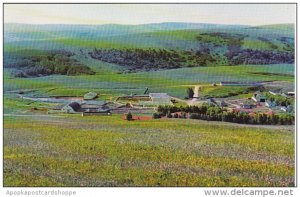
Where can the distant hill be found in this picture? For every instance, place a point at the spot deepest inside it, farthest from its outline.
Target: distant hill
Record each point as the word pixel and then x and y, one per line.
pixel 155 46
pixel 19 32
pixel 284 27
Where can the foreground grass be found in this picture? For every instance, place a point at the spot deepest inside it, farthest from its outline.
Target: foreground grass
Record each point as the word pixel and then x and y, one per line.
pixel 107 151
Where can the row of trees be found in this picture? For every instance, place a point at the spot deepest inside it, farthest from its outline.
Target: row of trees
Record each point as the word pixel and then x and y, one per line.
pixel 215 113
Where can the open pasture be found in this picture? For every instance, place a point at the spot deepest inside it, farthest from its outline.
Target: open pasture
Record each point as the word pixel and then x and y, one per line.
pixel 109 151
pixel 173 81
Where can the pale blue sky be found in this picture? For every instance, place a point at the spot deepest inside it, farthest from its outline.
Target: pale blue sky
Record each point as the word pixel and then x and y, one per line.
pixel 246 14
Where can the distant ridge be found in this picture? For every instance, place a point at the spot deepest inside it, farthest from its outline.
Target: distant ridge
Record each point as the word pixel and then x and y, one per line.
pixel 283 26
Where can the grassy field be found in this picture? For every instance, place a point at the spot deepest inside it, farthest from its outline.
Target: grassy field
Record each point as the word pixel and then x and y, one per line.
pixel 76 151
pixel 173 81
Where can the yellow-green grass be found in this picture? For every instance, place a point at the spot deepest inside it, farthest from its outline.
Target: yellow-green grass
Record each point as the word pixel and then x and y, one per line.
pixel 212 39
pixel 16 105
pixel 109 151
pixel 221 91
pixel 96 43
pixel 170 81
pixel 256 44
pixel 262 45
pixel 176 34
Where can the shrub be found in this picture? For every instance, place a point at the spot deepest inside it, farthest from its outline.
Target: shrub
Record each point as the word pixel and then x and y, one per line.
pixel 129 116
pixel 157 115
pixel 194 116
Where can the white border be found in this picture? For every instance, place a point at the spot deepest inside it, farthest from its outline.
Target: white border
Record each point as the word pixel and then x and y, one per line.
pixel 140 191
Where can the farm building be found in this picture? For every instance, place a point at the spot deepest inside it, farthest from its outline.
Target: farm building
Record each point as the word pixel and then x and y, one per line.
pixel 283 94
pixel 221 103
pixel 289 109
pixel 257 97
pixel 160 98
pixel 232 83
pixel 157 99
pixel 284 109
pixel 211 101
pixel 58 107
pixel 270 104
pixel 291 93
pixel 75 107
pixel 91 106
pixel 273 93
pixel 71 108
pixel 246 106
pixel 97 112
pixel 90 96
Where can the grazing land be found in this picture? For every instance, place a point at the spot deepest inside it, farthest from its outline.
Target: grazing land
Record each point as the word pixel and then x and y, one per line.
pixel 108 151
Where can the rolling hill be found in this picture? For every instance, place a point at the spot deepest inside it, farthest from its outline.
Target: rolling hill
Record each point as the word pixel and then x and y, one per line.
pixel 147 47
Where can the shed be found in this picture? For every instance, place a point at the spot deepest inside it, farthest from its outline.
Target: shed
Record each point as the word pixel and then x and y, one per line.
pixel 71 108
pixel 211 101
pixel 223 103
pixel 160 98
pixel 98 112
pixel 234 83
pixel 291 93
pixel 246 106
pixel 259 97
pixel 290 109
pixel 90 96
pixel 270 104
pixel 284 109
pixel 273 93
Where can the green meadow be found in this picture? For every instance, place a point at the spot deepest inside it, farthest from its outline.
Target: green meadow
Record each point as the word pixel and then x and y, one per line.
pixel 173 81
pixel 76 151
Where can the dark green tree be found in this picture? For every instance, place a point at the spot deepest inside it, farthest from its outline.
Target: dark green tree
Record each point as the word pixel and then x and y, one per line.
pixel 190 92
pixel 129 116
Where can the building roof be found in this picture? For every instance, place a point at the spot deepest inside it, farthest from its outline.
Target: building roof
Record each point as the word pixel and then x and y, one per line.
pixel 240 83
pixel 270 102
pixel 89 106
pixel 212 100
pixel 90 96
pixel 58 107
pixel 75 106
pixel 159 95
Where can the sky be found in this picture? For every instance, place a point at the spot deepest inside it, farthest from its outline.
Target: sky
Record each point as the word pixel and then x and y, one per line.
pixel 244 14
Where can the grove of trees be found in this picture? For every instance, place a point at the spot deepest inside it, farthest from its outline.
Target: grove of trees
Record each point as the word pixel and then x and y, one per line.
pixel 52 62
pixel 153 59
pixel 215 113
